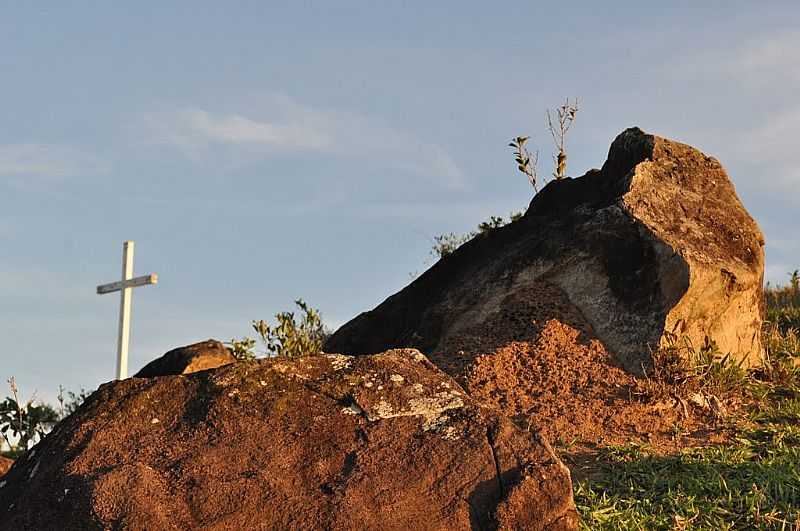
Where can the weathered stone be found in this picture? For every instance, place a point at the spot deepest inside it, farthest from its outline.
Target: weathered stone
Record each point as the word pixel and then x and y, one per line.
pixel 377 442
pixel 653 245
pixel 191 358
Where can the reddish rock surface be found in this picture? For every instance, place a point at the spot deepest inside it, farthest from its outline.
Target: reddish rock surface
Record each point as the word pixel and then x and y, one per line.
pixel 327 442
pixel 551 319
pixel 549 373
pixel 186 360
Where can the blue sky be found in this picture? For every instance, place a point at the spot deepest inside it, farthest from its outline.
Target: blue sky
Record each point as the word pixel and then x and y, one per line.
pixel 261 151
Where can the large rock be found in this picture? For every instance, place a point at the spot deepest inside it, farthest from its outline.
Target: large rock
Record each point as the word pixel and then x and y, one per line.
pixel 327 442
pixel 653 245
pixel 202 356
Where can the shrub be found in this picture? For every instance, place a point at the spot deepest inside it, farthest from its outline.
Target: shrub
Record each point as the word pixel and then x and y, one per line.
pixel 24 422
pixel 290 338
pixel 242 349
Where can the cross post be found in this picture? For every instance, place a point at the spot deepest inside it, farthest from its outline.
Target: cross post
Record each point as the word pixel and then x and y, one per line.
pixel 125 287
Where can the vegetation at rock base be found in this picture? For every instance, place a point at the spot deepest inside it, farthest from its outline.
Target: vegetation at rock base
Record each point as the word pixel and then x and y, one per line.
pixel 288 338
pixel 681 369
pixel 750 482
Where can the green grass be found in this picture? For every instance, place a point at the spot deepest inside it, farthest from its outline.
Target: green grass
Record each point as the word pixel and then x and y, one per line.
pixel 751 483
pixel 785 318
pixel 783 303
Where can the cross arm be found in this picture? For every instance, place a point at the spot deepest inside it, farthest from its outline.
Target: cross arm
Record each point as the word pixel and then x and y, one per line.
pixel 131 283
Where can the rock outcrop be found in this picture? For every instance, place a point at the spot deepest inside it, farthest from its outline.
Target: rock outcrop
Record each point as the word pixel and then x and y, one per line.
pixel 656 244
pixel 326 442
pixel 201 356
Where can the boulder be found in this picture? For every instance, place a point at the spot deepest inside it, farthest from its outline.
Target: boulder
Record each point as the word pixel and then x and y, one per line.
pixel 201 356
pixel 326 442
pixel 653 246
pixel 5 465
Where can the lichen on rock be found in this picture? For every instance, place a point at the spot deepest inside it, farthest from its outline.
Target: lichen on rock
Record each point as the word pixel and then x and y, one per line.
pixel 301 444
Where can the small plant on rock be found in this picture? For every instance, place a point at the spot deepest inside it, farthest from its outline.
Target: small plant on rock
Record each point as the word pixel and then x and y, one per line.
pixel 290 337
pixel 526 162
pixel 558 123
pixel 492 223
pixel 565 116
pixel 445 244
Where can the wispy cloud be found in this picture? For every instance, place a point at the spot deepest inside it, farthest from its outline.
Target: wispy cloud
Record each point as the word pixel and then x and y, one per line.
pixel 283 125
pixel 195 128
pixel 768 56
pixel 25 162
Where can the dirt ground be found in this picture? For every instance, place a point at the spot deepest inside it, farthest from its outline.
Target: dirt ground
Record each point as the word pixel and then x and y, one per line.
pixel 551 375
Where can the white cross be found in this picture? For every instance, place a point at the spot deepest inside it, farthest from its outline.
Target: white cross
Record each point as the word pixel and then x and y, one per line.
pixel 125 286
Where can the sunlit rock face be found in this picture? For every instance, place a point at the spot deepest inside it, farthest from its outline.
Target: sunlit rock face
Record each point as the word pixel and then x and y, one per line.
pixel 655 245
pixel 323 442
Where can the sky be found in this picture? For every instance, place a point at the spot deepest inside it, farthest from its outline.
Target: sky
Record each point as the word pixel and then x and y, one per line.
pixel 258 152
